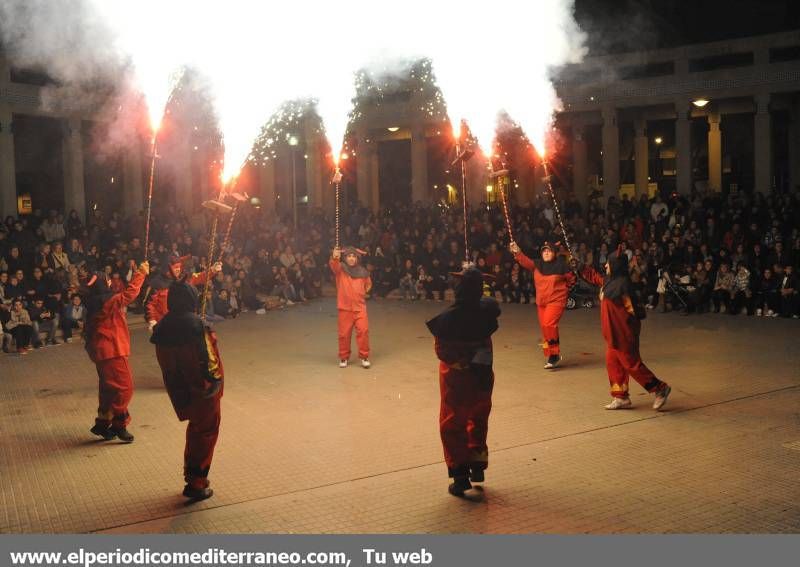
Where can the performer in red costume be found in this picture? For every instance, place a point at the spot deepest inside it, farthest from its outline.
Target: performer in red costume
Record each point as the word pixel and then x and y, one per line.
pixel 552 278
pixel 352 285
pixel 193 376
pixel 621 312
pixel 108 344
pixel 156 307
pixel 463 345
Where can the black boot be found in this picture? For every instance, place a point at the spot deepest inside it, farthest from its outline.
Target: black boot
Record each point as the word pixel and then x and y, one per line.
pixel 459 486
pixel 476 474
pixel 102 431
pixel 197 493
pixel 122 433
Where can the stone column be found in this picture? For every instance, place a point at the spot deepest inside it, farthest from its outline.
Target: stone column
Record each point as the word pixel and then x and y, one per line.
pixel 314 165
pixel 72 148
pixel 477 180
pixel 763 145
pixel 683 147
pixel 374 175
pixel 714 152
pixel 641 157
pixel 610 144
pixel 266 185
pixel 794 146
pixel 134 190
pixel 419 163
pixel 8 170
pixel 580 163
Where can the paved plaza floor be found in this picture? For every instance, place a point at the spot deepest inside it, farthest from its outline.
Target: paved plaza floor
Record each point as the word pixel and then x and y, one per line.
pixel 308 448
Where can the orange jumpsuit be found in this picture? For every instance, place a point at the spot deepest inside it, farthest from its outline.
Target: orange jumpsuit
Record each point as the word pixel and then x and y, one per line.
pixel 351 301
pixel 552 281
pixel 109 346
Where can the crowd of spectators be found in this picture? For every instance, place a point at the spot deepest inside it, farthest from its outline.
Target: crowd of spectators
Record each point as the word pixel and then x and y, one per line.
pixel 709 252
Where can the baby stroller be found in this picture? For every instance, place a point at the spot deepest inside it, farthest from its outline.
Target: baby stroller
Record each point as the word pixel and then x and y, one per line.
pixel 582 294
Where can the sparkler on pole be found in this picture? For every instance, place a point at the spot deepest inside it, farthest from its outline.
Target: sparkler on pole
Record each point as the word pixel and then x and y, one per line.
pixel 150 193
pixel 548 181
pixel 502 176
pixel 218 207
pixel 462 156
pixel 337 180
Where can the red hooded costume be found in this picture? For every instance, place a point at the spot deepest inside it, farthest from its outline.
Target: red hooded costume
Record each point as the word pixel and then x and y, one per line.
pixel 620 314
pixel 108 344
pixel 156 307
pixel 463 346
pixel 352 285
pixel 552 281
pixel 193 376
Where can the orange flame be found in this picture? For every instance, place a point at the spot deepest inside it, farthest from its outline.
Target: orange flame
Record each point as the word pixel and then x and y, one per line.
pixel 457 130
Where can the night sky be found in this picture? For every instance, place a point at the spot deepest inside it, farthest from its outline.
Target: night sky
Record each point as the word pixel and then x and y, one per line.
pixel 629 25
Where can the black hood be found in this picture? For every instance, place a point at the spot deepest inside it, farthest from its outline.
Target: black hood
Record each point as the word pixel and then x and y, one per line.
pixel 469 287
pixel 182 298
pixel 181 324
pixel 472 317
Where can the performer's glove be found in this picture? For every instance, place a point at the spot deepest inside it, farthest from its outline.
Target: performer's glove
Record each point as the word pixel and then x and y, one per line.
pixel 150 325
pixel 216 267
pixel 337 253
pixel 514 247
pixel 144 267
pixel 213 388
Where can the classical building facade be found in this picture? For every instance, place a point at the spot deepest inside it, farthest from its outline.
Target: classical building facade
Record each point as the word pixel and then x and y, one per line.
pixel 724 115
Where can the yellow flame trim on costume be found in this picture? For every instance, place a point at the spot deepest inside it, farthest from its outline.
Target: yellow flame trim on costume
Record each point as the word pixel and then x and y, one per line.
pixel 213 361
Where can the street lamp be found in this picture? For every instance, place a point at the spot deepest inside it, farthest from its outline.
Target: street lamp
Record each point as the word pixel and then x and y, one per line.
pixel 293 141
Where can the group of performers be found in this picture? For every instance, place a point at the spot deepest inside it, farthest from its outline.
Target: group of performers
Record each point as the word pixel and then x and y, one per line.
pixel 187 352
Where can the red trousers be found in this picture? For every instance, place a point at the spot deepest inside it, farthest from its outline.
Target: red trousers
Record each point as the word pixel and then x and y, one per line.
pixel 201 438
pixel 348 320
pixel 549 316
pixel 464 418
pixel 115 392
pixel 621 365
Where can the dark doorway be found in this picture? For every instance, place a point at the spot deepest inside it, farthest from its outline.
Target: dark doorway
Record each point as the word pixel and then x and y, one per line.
pixel 38 155
pixel 394 167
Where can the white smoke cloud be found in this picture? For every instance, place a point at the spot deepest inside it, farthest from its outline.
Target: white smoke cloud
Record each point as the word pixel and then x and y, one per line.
pixel 488 57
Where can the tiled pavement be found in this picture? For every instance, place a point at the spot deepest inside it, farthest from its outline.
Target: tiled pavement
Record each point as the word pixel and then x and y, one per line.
pixel 307 447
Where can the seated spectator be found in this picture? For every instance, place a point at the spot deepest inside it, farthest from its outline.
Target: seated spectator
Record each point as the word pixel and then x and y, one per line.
pixel 21 327
pixel 59 258
pixel 723 289
pixel 788 289
pixel 767 300
pixel 44 321
pixel 742 291
pixel 73 317
pixel 408 280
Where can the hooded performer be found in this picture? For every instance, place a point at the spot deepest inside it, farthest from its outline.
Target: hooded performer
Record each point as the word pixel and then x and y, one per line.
pixel 620 315
pixel 464 347
pixel 552 278
pixel 172 267
pixel 108 344
pixel 352 285
pixel 193 376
